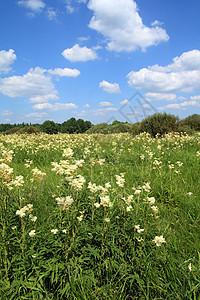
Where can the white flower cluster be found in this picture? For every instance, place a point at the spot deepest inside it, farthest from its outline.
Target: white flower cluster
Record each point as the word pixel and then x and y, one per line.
pixel 64 202
pixel 22 212
pixel 33 218
pixel 159 240
pixel 80 218
pixel 120 180
pixel 105 201
pixel 68 153
pixel 151 201
pixel 32 233
pixel 19 181
pixel 28 163
pixel 139 230
pixel 77 183
pixel 93 187
pixel 5 171
pixel 38 174
pixel 7 156
pixel 146 187
pixel 101 161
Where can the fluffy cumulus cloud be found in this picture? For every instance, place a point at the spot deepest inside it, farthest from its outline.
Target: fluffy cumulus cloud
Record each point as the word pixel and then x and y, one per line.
pixel 32 84
pixel 36 116
pixel 77 53
pixel 112 88
pixel 54 107
pixel 182 75
pixel 183 105
pixel 34 5
pixel 105 103
pixel 121 24
pixel 160 97
pixel 36 84
pixel 6 59
pixel 42 99
pixel 124 102
pixel 65 72
pixel 86 105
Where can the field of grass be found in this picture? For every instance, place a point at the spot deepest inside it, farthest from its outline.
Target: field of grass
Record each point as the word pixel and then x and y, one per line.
pixel 99 217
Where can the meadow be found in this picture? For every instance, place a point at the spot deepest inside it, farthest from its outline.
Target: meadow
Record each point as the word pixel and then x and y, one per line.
pixel 100 216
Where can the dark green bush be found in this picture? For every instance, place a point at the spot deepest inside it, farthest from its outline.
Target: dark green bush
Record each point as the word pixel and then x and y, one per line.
pixel 192 121
pixel 159 124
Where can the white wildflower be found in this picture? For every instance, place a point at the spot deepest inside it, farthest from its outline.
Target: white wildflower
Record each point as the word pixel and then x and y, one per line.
pixel 120 180
pixel 107 220
pixel 68 153
pixel 129 208
pixel 151 200
pixel 159 240
pixel 137 192
pixel 64 202
pixel 54 231
pixel 32 233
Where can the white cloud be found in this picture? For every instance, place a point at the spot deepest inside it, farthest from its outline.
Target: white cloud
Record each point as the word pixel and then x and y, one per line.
pixel 86 105
pixel 69 8
pixel 42 99
pixel 105 103
pixel 54 107
pixel 83 38
pixel 6 113
pixel 183 105
pixel 182 75
pixel 112 88
pixel 36 116
pixel 181 98
pixel 124 102
pixel 6 59
pixel 77 53
pixel 96 112
pixel 160 97
pixel 35 5
pixel 65 72
pixel 52 14
pixel 7 120
pixel 156 23
pixel 121 24
pixel 32 84
pixel 197 97
pixel 71 5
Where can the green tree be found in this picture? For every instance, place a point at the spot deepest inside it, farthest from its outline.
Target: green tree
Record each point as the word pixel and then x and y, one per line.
pixel 49 127
pixel 159 124
pixel 193 121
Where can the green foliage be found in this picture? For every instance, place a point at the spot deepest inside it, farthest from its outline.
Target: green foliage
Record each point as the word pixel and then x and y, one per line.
pixel 49 127
pixel 99 128
pixel 159 124
pixel 192 121
pixel 115 127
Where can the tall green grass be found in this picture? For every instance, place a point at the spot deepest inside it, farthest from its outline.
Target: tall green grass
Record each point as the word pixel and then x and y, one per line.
pixel 90 248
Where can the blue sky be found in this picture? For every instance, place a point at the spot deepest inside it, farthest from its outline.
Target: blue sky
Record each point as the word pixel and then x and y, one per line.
pixel 98 60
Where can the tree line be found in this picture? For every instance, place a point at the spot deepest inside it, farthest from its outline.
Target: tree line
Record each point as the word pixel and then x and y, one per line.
pixel 159 123
pixel 70 126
